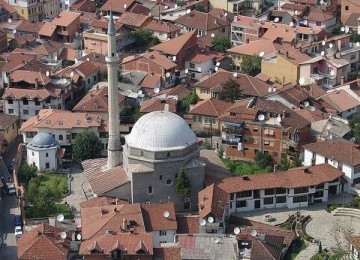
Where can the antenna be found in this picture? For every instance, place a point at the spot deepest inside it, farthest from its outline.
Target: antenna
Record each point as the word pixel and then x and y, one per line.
pixel 156 90
pixel 236 231
pixel 261 117
pixel 78 237
pixel 276 19
pixel 166 214
pixel 210 219
pixel 306 104
pixel 63 235
pixel 60 217
pixel 253 233
pixel 202 222
pixel 301 81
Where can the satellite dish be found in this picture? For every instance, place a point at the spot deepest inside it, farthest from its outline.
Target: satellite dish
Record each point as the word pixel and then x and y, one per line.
pixel 14 31
pixel 306 104
pixel 322 53
pixel 331 45
pixel 328 127
pixel 261 117
pixel 76 60
pixel 235 74
pixel 186 71
pixel 301 81
pixel 342 29
pixel 253 233
pixel 63 235
pixel 217 64
pixel 312 108
pixel 321 2
pixel 72 74
pixel 78 237
pixel 330 137
pixel 188 11
pixel 156 90
pixel 125 6
pixel 270 89
pixel 47 73
pixel 210 219
pixel 87 59
pixel 347 29
pixel 276 19
pixel 60 217
pixel 175 6
pixel 216 68
pixel 262 54
pixel 212 35
pixel 278 119
pixel 166 214
pixel 174 58
pixel 55 58
pixel 291 24
pixel 198 69
pixel 202 222
pixel 236 231
pixel 305 22
pixel 323 43
pixel 140 92
pixel 357 44
pixel 225 14
pixel 9 20
pixel 216 240
pixel 167 74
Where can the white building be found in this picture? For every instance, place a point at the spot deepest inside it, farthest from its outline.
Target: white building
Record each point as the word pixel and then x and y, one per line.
pixel 42 151
pixel 202 64
pixel 339 153
pixel 294 188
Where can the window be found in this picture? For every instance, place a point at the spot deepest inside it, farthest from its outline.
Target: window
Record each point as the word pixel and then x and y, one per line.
pixel 232 196
pixel 280 190
pixel 268 201
pixel 301 190
pixel 11 111
pixel 25 112
pixel 10 101
pixel 30 134
pixel 244 194
pixel 255 130
pixel 73 135
pixel 299 199
pixel 256 194
pixel 25 102
pixel 357 168
pixel 256 141
pixel 32 153
pixel 281 199
pixel 199 119
pixel 162 232
pixel 37 112
pixel 47 165
pixel 47 155
pixel 168 154
pixel 340 166
pixel 318 23
pixel 269 191
pixel 194 118
pixel 223 30
pixel 191 65
pixel 150 189
pixel 88 81
pixel 346 8
pixel 160 177
pixel 37 102
pixel 241 204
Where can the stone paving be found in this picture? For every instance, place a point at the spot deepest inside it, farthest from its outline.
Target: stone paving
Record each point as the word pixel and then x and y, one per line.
pixel 324 226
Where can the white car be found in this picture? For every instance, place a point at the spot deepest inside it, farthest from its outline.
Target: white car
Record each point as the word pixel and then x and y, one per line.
pixel 18 231
pixel 11 188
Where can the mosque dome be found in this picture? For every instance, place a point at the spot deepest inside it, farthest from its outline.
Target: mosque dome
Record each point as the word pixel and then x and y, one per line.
pixel 160 131
pixel 43 141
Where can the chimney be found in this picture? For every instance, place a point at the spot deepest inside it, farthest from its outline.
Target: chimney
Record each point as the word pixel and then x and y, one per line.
pixel 124 224
pixel 215 21
pixel 287 54
pixel 342 80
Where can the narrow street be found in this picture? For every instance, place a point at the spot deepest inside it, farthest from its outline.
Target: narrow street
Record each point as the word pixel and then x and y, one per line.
pixel 8 209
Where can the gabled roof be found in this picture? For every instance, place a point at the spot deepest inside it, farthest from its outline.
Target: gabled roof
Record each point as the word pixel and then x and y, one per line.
pixel 211 201
pixel 318 14
pixel 155 57
pixel 340 100
pixel 40 93
pixel 341 150
pixel 102 201
pixel 103 24
pixel 161 26
pixel 256 47
pixel 65 18
pixel 151 81
pixel 210 107
pixel 29 27
pixel 187 223
pixel 156 104
pixel 295 95
pixel 7 120
pixel 132 19
pixel 174 46
pixel 154 218
pixel 30 77
pixel 180 91
pixel 353 20
pixel 117 6
pixel 47 29
pixel 202 21
pixel 44 243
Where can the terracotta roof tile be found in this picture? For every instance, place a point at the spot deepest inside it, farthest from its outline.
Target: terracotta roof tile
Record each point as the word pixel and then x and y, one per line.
pixel 40 93
pixel 102 201
pixel 7 120
pixel 340 100
pixel 340 150
pixel 354 241
pixel 211 107
pixel 256 47
pixel 174 46
pixel 30 77
pixel 7 7
pixel 65 18
pixel 155 57
pixel 180 91
pixel 162 26
pixel 292 178
pixel 201 21
pixel 187 224
pixel 222 14
pixel 154 218
pixel 104 24
pixel 318 14
pixel 117 6
pixel 156 104
pixel 165 253
pixel 291 6
pixel 151 81
pixel 47 29
pixel 353 20
pixel 44 243
pixel 84 5
pixel 312 2
pixel 132 19
pixel 211 200
pixel 29 27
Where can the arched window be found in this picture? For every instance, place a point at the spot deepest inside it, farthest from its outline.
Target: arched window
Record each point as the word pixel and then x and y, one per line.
pixel 160 177
pixel 168 154
pixel 61 137
pixel 142 153
pixel 150 189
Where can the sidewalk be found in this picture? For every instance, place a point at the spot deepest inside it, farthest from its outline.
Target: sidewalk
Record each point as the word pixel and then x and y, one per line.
pixel 308 252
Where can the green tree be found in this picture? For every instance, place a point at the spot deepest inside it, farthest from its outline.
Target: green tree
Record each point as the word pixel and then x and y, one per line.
pixel 355 128
pixel 182 185
pixel 199 8
pixel 58 186
pixel 221 44
pixel 87 146
pixel 184 104
pixel 284 163
pixel 142 36
pixel 155 41
pixel 26 173
pixel 263 160
pixel 251 65
pixel 32 190
pixel 230 91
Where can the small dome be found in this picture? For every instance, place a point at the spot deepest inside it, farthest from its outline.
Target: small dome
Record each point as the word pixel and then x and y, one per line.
pixel 43 140
pixel 160 131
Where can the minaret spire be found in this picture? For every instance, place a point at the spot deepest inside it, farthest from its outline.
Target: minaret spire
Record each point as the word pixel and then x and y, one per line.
pixel 112 61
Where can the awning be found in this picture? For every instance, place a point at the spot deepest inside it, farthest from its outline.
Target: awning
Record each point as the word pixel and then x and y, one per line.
pixel 232 124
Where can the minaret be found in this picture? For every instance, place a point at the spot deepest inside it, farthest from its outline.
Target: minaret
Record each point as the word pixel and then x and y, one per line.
pixel 112 61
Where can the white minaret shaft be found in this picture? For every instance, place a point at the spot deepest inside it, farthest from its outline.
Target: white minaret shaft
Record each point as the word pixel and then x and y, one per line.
pixel 112 61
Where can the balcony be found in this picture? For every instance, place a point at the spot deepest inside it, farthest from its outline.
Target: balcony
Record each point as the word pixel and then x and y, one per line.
pixel 317 76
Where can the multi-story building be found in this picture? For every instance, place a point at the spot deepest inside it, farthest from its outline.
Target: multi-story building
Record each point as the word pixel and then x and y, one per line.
pixel 237 7
pixel 51 9
pixel 31 10
pixel 9 126
pixel 349 7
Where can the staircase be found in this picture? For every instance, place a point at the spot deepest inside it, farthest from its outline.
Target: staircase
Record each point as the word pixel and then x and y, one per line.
pixel 349 212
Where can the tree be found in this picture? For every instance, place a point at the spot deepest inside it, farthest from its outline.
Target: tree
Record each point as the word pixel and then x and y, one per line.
pixel 251 65
pixel 263 160
pixel 87 146
pixel 230 91
pixel 355 128
pixel 184 104
pixel 142 36
pixel 26 173
pixel 199 8
pixel 284 163
pixel 221 44
pixel 182 185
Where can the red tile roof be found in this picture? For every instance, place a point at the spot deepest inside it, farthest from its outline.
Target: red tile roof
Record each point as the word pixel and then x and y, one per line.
pixel 102 201
pixel 162 26
pixel 65 18
pixel 117 6
pixel 187 224
pixel 7 121
pixel 29 27
pixel 211 107
pixel 167 252
pixel 292 178
pixel 156 104
pixel 154 218
pixel 44 243
pixel 211 200
pixel 202 21
pixel 133 19
pixel 151 81
pixel 180 91
pixel 40 93
pixel 174 46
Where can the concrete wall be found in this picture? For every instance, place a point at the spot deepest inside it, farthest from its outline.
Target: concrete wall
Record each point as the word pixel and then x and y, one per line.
pixel 122 192
pixel 168 238
pixel 280 69
pixel 40 159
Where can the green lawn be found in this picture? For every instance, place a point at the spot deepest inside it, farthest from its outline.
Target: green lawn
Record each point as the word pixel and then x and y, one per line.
pixel 47 178
pixel 58 209
pixel 295 248
pixel 244 167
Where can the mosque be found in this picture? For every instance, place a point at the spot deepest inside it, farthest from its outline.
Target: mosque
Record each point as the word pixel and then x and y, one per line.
pixel 145 169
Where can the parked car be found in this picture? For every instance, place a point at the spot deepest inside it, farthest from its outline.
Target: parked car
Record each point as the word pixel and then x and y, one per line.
pixel 203 134
pixel 11 188
pixel 17 220
pixel 269 218
pixel 18 231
